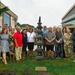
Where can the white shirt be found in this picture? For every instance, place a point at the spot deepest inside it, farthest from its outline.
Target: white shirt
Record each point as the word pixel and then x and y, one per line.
pixel 30 36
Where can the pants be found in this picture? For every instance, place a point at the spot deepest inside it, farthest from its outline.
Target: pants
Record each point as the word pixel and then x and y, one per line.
pixel 18 52
pixel 58 50
pixel 63 50
pixel 67 51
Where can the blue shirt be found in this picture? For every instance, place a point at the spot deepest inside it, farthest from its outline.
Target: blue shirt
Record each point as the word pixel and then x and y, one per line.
pixel 44 31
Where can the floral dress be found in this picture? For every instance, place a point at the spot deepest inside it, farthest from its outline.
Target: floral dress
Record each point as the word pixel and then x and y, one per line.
pixel 11 44
pixel 4 42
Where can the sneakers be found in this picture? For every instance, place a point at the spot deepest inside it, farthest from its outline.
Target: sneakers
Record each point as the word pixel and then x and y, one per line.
pixel 58 58
pixel 74 60
pixel 18 60
pixel 52 58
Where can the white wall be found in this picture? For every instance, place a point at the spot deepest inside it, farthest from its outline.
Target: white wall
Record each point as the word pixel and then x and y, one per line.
pixel 0 23
pixel 12 22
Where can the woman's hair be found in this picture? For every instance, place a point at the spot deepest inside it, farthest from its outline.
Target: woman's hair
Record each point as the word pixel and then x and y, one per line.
pixel 74 28
pixel 58 34
pixel 13 29
pixel 3 31
pixel 57 29
pixel 68 29
pixel 23 30
pixel 30 29
pixel 65 30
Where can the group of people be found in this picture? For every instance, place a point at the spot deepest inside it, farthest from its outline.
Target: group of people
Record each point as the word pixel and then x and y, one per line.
pixel 57 43
pixel 15 41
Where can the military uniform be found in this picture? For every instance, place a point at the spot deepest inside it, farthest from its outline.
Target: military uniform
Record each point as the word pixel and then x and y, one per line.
pixel 67 48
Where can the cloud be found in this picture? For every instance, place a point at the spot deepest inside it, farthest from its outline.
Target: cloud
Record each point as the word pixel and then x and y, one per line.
pixel 28 11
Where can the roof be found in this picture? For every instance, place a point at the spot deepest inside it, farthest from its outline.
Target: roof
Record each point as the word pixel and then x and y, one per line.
pixel 9 12
pixel 68 11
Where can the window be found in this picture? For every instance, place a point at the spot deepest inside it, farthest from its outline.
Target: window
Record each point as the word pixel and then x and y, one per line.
pixel 7 19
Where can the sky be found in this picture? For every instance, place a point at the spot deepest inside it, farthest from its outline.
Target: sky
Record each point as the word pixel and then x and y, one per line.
pixel 28 11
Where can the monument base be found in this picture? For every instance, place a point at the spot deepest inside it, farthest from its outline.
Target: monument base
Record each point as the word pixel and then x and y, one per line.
pixel 40 57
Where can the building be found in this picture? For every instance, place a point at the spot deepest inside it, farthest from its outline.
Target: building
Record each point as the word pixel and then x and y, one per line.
pixel 69 18
pixel 8 17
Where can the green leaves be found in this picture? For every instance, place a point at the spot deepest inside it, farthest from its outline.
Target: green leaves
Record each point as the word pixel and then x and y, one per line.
pixel 3 10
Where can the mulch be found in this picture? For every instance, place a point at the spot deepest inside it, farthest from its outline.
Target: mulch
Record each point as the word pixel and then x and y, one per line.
pixel 45 73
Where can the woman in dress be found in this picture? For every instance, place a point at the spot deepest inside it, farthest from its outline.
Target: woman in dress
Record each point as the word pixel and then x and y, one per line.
pixel 4 44
pixel 11 44
pixel 67 44
pixel 24 39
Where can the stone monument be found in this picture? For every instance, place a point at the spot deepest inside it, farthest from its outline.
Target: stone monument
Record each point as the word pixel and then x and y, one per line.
pixel 39 43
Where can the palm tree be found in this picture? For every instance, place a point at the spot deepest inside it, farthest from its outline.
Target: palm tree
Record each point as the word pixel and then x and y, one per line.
pixel 3 9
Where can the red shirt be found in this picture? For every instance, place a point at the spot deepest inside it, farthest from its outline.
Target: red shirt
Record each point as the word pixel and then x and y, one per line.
pixel 18 37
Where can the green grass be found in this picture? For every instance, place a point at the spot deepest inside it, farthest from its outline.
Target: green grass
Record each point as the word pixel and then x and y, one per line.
pixel 56 67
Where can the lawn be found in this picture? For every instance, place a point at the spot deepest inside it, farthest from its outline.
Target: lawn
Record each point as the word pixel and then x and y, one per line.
pixel 56 67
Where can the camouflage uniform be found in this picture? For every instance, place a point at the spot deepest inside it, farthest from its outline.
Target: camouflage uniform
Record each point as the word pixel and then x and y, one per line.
pixel 67 48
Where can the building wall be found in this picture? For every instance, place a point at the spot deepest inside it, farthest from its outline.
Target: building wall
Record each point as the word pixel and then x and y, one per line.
pixel 10 12
pixel 0 23
pixel 69 19
pixel 8 17
pixel 72 22
pixel 13 22
pixel 72 12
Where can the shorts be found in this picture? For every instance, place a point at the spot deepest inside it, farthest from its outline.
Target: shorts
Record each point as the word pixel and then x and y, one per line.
pixel 24 48
pixel 49 47
pixel 30 45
